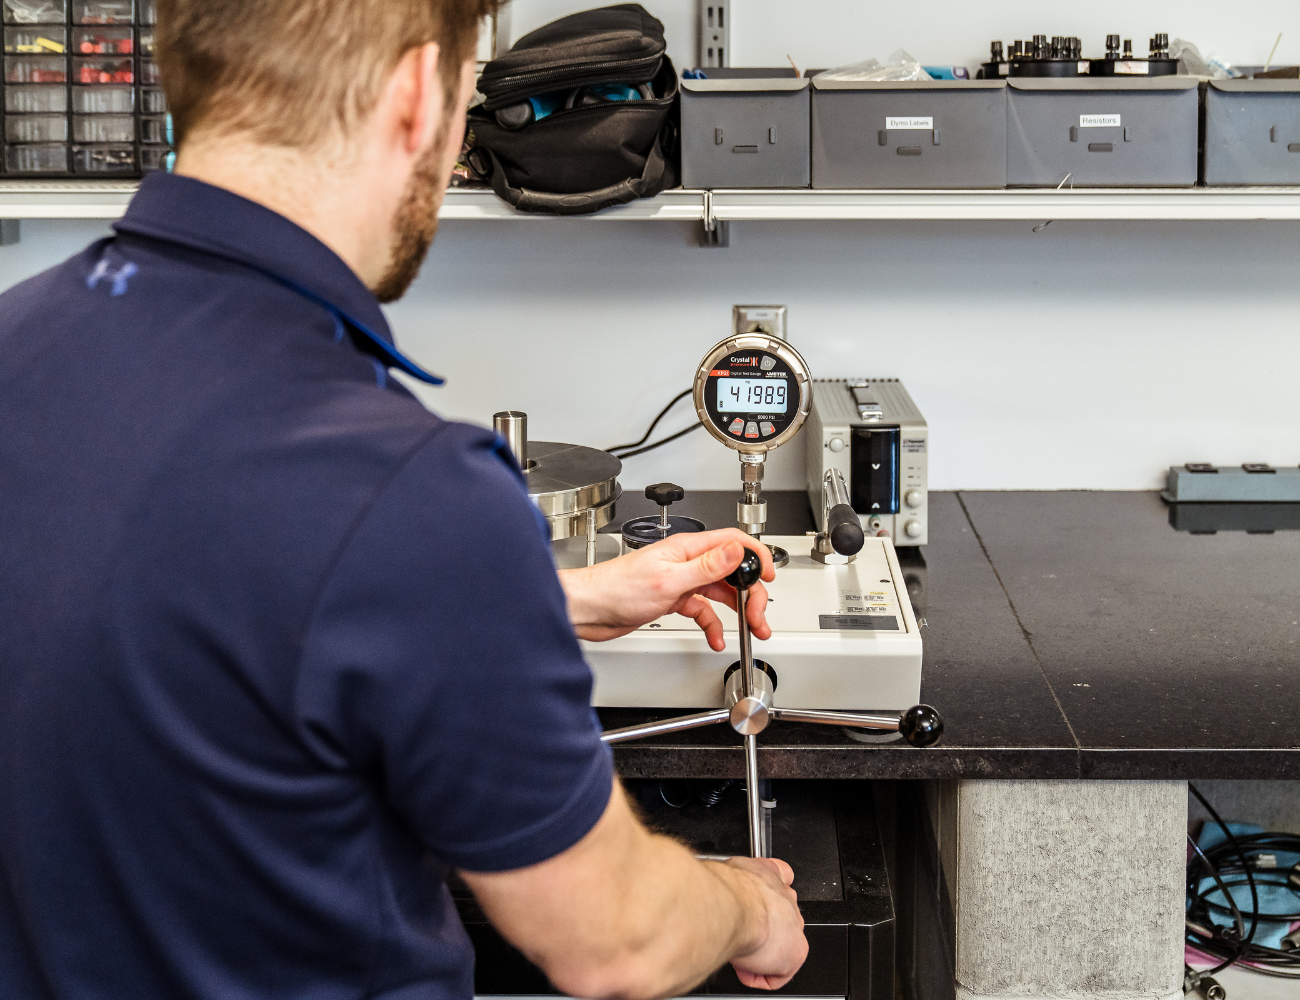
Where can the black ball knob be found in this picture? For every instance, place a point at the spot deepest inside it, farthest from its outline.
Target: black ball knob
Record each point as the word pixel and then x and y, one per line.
pixel 747 573
pixel 921 726
pixel 515 116
pixel 664 493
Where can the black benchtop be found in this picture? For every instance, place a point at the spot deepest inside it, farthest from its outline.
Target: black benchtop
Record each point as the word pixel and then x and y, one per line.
pixel 1070 634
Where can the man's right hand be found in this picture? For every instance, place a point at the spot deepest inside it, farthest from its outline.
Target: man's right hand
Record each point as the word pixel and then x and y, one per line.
pixel 630 914
pixel 784 947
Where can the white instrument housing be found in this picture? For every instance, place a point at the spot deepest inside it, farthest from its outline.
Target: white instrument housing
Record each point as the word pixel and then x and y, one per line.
pixel 843 637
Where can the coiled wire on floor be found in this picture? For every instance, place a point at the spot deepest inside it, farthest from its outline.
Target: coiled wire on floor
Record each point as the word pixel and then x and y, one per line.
pixel 1218 925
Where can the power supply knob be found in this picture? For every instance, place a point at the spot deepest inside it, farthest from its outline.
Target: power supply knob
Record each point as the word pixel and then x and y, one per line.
pixel 914 498
pixel 913 529
pixel 836 445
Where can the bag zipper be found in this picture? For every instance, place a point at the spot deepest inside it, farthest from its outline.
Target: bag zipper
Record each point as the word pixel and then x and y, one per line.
pixel 518 86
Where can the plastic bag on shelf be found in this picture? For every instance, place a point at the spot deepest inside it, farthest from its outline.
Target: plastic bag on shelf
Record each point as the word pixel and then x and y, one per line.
pixel 1192 63
pixel 899 67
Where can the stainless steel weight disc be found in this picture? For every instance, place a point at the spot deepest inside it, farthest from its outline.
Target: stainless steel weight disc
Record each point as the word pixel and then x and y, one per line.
pixel 567 481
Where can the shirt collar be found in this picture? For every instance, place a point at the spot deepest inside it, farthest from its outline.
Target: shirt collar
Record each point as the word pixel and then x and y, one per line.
pixel 213 220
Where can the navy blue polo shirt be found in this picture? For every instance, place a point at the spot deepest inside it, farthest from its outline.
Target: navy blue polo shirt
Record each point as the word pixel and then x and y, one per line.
pixel 278 647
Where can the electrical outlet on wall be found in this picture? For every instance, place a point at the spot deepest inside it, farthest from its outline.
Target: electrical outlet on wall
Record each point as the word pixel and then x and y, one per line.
pixel 759 319
pixel 715 31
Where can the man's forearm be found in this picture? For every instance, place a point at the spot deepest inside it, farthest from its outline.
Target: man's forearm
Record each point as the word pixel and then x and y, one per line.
pixel 627 913
pixel 681 919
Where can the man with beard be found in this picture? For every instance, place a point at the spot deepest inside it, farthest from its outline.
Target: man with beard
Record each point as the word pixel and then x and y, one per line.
pixel 279 648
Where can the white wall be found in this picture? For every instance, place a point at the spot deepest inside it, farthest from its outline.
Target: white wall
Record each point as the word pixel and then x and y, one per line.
pixel 835 32
pixel 1090 355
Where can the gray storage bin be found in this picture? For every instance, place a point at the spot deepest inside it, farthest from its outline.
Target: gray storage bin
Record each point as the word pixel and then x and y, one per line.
pixel 1102 132
pixel 750 133
pixel 914 134
pixel 1252 132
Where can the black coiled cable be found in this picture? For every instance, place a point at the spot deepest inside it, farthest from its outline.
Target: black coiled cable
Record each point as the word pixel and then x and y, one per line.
pixel 621 451
pixel 1236 862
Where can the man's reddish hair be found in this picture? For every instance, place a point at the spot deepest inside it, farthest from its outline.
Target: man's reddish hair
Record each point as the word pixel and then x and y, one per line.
pixel 290 72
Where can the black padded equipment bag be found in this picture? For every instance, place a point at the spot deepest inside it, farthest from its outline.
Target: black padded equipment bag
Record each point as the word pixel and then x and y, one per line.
pixel 596 153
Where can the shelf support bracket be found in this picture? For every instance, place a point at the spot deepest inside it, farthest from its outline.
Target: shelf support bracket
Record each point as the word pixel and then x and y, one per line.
pixel 714 232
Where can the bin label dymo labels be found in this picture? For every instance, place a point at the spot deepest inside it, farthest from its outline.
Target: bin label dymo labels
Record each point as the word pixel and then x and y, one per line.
pixel 917 123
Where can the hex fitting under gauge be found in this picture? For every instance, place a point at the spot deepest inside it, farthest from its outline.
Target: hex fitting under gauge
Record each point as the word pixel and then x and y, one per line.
pixel 753 392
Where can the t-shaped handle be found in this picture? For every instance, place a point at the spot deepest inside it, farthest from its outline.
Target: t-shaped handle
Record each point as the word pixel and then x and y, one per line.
pixel 664 494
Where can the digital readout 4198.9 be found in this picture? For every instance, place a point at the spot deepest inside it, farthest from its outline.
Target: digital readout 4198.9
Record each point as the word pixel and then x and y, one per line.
pixel 750 394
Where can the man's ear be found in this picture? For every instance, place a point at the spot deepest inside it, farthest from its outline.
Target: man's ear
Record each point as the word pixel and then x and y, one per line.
pixel 432 97
pixel 415 97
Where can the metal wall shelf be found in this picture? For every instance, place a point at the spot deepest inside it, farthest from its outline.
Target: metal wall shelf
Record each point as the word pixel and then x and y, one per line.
pixel 108 199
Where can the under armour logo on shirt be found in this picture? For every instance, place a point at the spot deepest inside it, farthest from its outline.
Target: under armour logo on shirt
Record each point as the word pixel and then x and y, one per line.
pixel 102 270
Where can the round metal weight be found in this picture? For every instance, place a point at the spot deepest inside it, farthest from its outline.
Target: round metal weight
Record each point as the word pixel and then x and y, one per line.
pixel 642 531
pixel 572 485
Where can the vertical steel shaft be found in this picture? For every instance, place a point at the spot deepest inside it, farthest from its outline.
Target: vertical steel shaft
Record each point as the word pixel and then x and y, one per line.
pixel 746 644
pixel 591 536
pixel 513 426
pixel 755 799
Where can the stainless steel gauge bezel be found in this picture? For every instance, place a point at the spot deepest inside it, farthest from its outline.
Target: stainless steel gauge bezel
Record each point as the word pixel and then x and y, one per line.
pixel 754 342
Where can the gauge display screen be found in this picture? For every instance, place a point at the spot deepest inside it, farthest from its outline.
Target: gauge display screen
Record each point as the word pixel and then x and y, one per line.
pixel 749 395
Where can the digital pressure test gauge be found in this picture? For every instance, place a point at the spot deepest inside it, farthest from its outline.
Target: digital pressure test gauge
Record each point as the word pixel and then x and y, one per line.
pixel 753 392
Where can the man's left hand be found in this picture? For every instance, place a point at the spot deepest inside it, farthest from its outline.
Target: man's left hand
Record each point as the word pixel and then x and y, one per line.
pixel 682 573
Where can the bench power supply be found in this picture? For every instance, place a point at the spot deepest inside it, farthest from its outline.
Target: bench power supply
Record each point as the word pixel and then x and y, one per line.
pixel 872 432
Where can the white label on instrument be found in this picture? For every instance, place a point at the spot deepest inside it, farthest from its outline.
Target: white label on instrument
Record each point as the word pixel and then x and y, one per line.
pixel 1084 67
pixel 1099 121
pixel 917 123
pixel 1132 67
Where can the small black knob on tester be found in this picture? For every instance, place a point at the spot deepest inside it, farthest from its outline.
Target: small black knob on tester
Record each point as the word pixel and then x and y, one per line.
pixel 995 50
pixel 747 573
pixel 921 726
pixel 664 493
pixel 1112 46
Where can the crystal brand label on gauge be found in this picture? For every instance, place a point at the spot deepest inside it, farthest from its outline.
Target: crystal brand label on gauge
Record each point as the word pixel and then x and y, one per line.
pixel 896 123
pixel 844 623
pixel 1099 121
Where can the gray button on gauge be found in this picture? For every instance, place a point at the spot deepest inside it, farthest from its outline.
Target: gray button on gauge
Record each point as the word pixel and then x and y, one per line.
pixel 751 430
pixel 766 428
pixel 737 427
pixel 767 364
